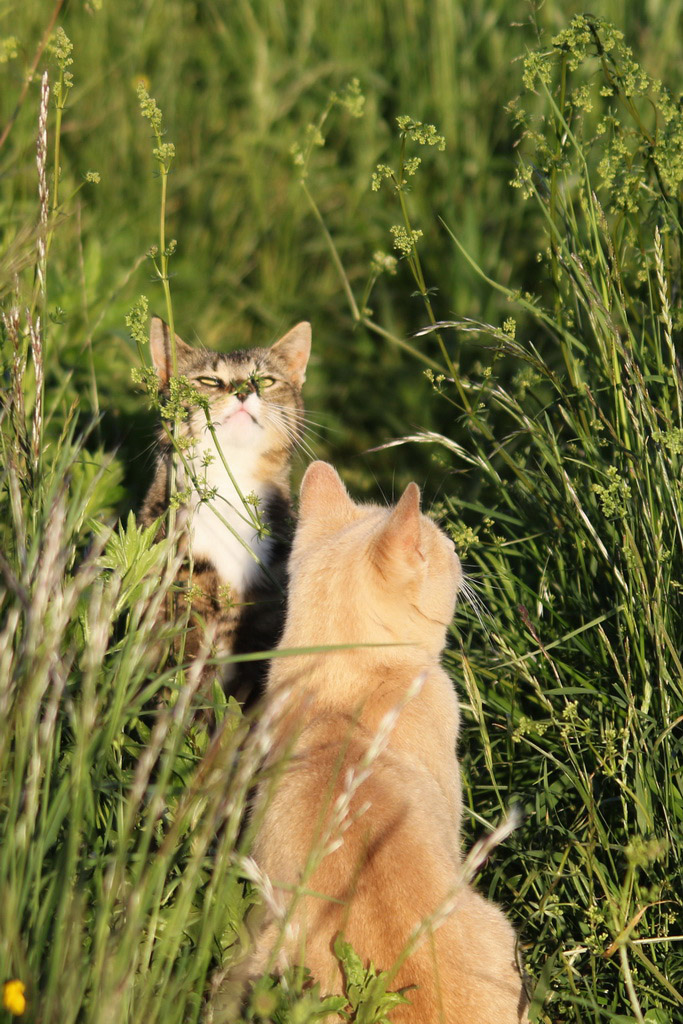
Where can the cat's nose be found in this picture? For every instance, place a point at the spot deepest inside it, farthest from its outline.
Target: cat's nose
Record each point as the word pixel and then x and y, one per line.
pixel 246 388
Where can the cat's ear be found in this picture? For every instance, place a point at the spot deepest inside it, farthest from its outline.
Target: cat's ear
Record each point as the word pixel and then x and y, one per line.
pixel 400 541
pixel 294 348
pixel 160 347
pixel 323 494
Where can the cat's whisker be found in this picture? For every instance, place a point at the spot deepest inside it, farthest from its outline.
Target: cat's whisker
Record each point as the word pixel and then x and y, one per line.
pixel 476 603
pixel 304 447
pixel 303 432
pixel 295 443
pixel 381 489
pixel 303 414
pixel 145 451
pixel 285 429
pixel 299 420
pixel 306 429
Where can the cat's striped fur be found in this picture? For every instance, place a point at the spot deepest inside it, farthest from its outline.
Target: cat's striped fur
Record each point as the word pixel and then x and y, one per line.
pixel 234 576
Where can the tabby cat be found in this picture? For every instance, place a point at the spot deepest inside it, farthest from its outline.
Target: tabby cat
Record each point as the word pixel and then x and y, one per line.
pixel 388 577
pixel 254 403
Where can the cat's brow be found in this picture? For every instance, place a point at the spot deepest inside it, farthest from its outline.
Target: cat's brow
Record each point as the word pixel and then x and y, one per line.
pixel 234 368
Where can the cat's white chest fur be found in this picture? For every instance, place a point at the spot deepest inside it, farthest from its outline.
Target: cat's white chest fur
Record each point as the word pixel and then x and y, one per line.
pixel 231 553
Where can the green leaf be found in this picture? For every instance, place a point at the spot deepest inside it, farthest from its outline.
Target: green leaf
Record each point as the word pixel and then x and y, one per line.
pixel 132 553
pixel 351 963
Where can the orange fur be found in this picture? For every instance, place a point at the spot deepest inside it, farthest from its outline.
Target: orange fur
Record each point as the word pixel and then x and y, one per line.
pixel 372 575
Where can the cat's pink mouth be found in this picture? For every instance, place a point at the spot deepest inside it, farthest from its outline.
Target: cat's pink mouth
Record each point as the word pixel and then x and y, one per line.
pixel 240 416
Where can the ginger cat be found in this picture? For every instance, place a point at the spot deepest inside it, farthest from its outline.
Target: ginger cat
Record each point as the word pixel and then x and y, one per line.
pixel 364 574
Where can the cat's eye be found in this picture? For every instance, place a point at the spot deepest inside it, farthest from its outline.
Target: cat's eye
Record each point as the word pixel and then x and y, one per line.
pixel 210 382
pixel 266 382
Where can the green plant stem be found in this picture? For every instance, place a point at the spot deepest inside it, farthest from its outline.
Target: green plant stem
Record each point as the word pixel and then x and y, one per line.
pixel 58 139
pixel 164 278
pixel 196 483
pixel 358 316
pixel 355 312
pixel 251 517
pixel 415 265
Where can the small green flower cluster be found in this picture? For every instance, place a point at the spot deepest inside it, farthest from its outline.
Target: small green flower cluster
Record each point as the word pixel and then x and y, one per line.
pixel 613 495
pixel 381 172
pixel 585 37
pixel 9 49
pixel 351 98
pixel 226 596
pixel 180 498
pixel 609 751
pixel 164 152
pixel 597 921
pixel 523 179
pixel 436 380
pixel 642 852
pixel 620 176
pixel 149 109
pixel 192 592
pixel 417 131
pixel 462 536
pixel 182 395
pixel 571 719
pixel 301 153
pixel 383 263
pixel 404 242
pixel 529 727
pixel 668 154
pixel 525 379
pixel 671 439
pixel 353 101
pixel 582 98
pixel 146 378
pixel 60 47
pixel 632 149
pixel 136 322
pixel 537 69
pixel 185 443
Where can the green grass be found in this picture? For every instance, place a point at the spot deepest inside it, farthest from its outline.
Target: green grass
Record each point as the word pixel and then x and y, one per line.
pixel 548 433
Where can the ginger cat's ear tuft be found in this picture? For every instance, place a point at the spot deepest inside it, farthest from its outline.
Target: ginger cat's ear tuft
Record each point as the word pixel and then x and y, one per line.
pixel 401 536
pixel 160 347
pixel 323 493
pixel 295 348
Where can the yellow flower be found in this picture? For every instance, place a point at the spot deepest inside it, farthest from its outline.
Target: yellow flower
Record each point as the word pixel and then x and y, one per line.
pixel 13 998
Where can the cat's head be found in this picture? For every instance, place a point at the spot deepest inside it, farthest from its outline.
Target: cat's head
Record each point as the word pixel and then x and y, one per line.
pixel 374 573
pixel 254 395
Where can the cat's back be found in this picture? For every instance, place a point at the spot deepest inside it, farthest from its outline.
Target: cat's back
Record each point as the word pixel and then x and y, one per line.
pixel 358 824
pixel 337 780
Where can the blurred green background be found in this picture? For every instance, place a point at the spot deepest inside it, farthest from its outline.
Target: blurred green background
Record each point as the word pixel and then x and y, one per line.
pixel 238 83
